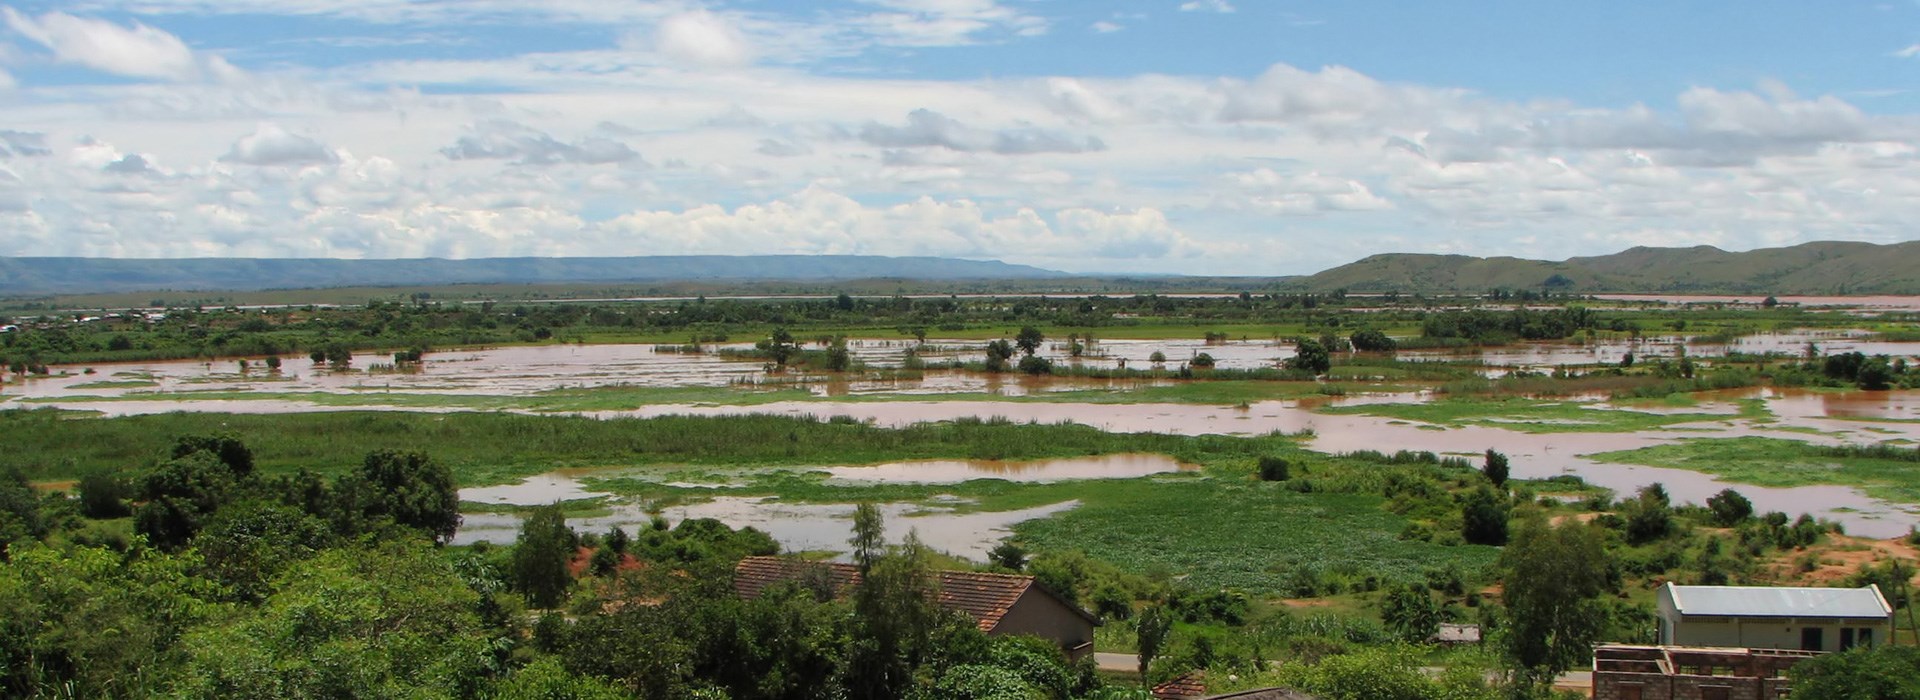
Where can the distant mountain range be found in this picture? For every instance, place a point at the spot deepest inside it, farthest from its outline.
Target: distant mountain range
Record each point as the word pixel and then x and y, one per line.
pixel 1812 268
pixel 39 276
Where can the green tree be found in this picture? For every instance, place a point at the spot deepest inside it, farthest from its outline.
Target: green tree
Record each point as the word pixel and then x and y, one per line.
pixel 20 517
pixel 393 621
pixel 998 352
pixel 246 545
pixel 1151 628
pixel 1496 468
pixel 547 679
pixel 1729 507
pixel 180 495
pixel 408 488
pixel 839 359
pixel 780 347
pixel 895 613
pixel 1648 516
pixel 1009 556
pixel 1372 340
pixel 1552 580
pixel 540 557
pixel 1483 517
pixel 93 623
pixel 1884 672
pixel 104 496
pixel 1036 365
pixel 1310 356
pixel 1410 614
pixel 1202 361
pixel 1029 339
pixel 226 448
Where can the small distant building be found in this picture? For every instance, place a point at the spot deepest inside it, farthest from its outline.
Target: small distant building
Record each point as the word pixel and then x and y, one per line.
pixel 1631 672
pixel 1762 617
pixel 1455 634
pixel 1002 604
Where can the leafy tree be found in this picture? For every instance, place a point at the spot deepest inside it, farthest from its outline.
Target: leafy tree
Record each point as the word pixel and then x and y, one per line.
pixel 1649 515
pixel 998 352
pixel 540 557
pixel 1202 361
pixel 1029 339
pixel 1372 340
pixel 1729 507
pixel 839 359
pixel 245 546
pixel 1310 356
pixel 780 347
pixel 93 623
pixel 1158 358
pixel 617 539
pixel 1553 578
pixel 1496 468
pixel 547 679
pixel 1151 629
pixel 395 621
pixel 1036 365
pixel 20 517
pixel 408 488
pixel 180 495
pixel 1626 361
pixel 104 496
pixel 1483 517
pixel 1409 613
pixel 895 613
pixel 1884 672
pixel 1009 556
pixel 226 448
pixel 1875 375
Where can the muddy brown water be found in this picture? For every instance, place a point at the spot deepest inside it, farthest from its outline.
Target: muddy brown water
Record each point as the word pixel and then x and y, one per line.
pixel 526 370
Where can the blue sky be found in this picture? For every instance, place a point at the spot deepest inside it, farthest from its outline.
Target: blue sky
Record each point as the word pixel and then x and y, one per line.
pixel 1194 136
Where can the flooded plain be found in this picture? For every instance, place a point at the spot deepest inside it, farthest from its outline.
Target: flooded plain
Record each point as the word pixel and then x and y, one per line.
pixel 815 526
pixel 1816 417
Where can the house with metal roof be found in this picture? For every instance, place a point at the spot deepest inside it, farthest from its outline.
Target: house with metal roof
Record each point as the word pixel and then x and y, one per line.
pixel 1001 604
pixel 1763 617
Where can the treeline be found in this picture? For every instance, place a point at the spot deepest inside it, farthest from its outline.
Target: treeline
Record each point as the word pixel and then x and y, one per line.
pixel 223 582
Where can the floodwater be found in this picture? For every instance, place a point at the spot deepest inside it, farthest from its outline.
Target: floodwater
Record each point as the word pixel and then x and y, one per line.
pixel 799 527
pixel 1856 417
pixel 1544 356
pixel 796 526
pixel 1123 466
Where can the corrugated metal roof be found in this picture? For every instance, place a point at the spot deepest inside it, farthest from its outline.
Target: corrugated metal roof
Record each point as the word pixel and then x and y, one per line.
pixel 1766 601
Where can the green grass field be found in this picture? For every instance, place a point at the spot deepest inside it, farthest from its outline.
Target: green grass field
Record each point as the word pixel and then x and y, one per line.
pixel 1538 416
pixel 1774 462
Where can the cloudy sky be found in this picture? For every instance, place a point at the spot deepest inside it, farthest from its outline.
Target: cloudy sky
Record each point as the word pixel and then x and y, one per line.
pixel 1189 136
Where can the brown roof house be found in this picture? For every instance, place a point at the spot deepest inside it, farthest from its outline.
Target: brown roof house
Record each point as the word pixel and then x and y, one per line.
pixel 1002 604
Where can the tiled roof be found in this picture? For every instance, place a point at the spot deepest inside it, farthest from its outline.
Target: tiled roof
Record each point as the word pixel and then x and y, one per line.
pixel 1192 684
pixel 1767 601
pixel 983 597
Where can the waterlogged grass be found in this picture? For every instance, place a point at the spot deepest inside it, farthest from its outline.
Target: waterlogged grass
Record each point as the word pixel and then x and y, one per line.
pixel 1538 416
pixel 493 448
pixel 1777 462
pixel 117 384
pixel 1243 534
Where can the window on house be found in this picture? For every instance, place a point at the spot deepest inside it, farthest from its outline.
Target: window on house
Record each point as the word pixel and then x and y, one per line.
pixel 1865 638
pixel 1846 638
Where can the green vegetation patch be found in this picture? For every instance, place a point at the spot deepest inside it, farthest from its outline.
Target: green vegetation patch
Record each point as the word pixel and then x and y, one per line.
pixel 1531 415
pixel 493 448
pixel 117 384
pixel 1776 462
pixel 1246 535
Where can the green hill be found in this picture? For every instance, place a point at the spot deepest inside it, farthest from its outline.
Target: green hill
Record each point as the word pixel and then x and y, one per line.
pixel 1829 267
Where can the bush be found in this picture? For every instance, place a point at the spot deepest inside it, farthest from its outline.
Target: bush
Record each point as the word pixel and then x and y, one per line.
pixel 1274 468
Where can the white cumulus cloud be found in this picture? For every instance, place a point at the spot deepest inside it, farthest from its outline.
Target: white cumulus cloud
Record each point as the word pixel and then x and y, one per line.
pixel 271 145
pixel 702 38
pixel 135 51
